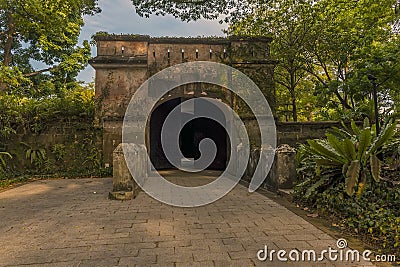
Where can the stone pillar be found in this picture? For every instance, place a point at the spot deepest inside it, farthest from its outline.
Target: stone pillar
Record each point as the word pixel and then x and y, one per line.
pixel 252 57
pixel 124 186
pixel 282 174
pixel 286 166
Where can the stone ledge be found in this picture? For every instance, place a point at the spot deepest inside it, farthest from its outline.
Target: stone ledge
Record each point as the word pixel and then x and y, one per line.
pixel 119 60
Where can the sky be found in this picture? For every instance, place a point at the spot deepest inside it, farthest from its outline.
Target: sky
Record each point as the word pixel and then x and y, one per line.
pixel 119 16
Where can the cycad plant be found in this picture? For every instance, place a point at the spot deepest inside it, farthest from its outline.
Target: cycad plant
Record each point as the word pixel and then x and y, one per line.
pixel 355 152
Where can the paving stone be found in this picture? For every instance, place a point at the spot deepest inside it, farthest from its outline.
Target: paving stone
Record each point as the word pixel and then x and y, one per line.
pixel 137 261
pixel 106 262
pixel 63 223
pixel 195 264
pixel 243 263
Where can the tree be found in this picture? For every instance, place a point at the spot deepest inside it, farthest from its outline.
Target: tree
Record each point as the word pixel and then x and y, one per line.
pixel 382 60
pixel 44 31
pixel 332 41
pixel 289 23
pixel 188 10
pixel 341 30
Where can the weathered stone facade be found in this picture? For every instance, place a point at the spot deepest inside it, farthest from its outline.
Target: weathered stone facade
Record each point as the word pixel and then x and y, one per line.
pixel 124 62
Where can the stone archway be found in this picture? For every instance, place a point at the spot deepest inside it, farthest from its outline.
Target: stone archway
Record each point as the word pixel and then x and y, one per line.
pixel 124 62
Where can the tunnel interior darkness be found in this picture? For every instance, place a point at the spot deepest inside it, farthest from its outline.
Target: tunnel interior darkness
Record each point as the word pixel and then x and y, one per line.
pixel 191 135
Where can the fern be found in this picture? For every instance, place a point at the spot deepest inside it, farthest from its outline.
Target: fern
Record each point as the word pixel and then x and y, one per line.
pixel 35 155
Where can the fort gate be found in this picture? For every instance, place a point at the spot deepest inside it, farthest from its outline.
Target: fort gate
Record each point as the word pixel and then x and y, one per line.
pixel 124 62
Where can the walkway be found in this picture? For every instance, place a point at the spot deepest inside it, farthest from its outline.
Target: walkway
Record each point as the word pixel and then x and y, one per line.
pixel 72 223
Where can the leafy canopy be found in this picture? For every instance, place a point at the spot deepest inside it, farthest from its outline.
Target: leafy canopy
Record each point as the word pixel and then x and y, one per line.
pixel 332 43
pixel 188 10
pixel 43 31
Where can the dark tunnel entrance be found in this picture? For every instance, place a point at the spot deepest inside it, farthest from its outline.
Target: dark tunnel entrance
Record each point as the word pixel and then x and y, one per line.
pixel 191 135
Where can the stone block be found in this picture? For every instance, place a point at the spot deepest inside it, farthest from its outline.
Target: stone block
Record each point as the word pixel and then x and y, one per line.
pixel 282 174
pixel 125 187
pixel 286 166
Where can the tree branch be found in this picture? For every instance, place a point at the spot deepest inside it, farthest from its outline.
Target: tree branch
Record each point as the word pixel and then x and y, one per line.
pixel 283 84
pixel 39 72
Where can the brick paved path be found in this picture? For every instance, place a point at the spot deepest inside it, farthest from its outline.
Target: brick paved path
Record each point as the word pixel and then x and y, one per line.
pixel 72 223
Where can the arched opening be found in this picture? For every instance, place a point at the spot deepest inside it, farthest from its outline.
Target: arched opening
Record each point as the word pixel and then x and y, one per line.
pixel 190 136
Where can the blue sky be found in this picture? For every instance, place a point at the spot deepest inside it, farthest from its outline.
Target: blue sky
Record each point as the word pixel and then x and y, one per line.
pixel 119 16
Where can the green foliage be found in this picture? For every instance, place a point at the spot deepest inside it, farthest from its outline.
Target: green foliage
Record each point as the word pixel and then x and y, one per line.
pixel 5 182
pixel 21 114
pixel 392 151
pixel 13 77
pixel 340 31
pixel 3 163
pixel 28 126
pixel 45 32
pixel 374 217
pixel 194 9
pixel 354 153
pixel 333 45
pixel 342 179
pixel 36 156
pixel 288 22
pixel 59 151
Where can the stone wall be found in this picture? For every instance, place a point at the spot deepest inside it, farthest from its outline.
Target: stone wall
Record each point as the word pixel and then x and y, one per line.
pixel 109 136
pixel 78 143
pixel 293 133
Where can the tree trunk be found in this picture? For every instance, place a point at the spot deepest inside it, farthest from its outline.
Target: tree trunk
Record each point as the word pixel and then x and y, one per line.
pixel 9 40
pixel 293 95
pixel 342 100
pixel 39 72
pixel 294 110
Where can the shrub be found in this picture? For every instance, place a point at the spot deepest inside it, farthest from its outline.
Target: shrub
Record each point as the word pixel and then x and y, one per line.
pixel 354 153
pixel 331 169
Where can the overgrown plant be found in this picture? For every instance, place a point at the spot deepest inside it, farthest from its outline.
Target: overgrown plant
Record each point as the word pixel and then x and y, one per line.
pixel 3 163
pixel 59 151
pixel 36 156
pixel 352 155
pixel 392 151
